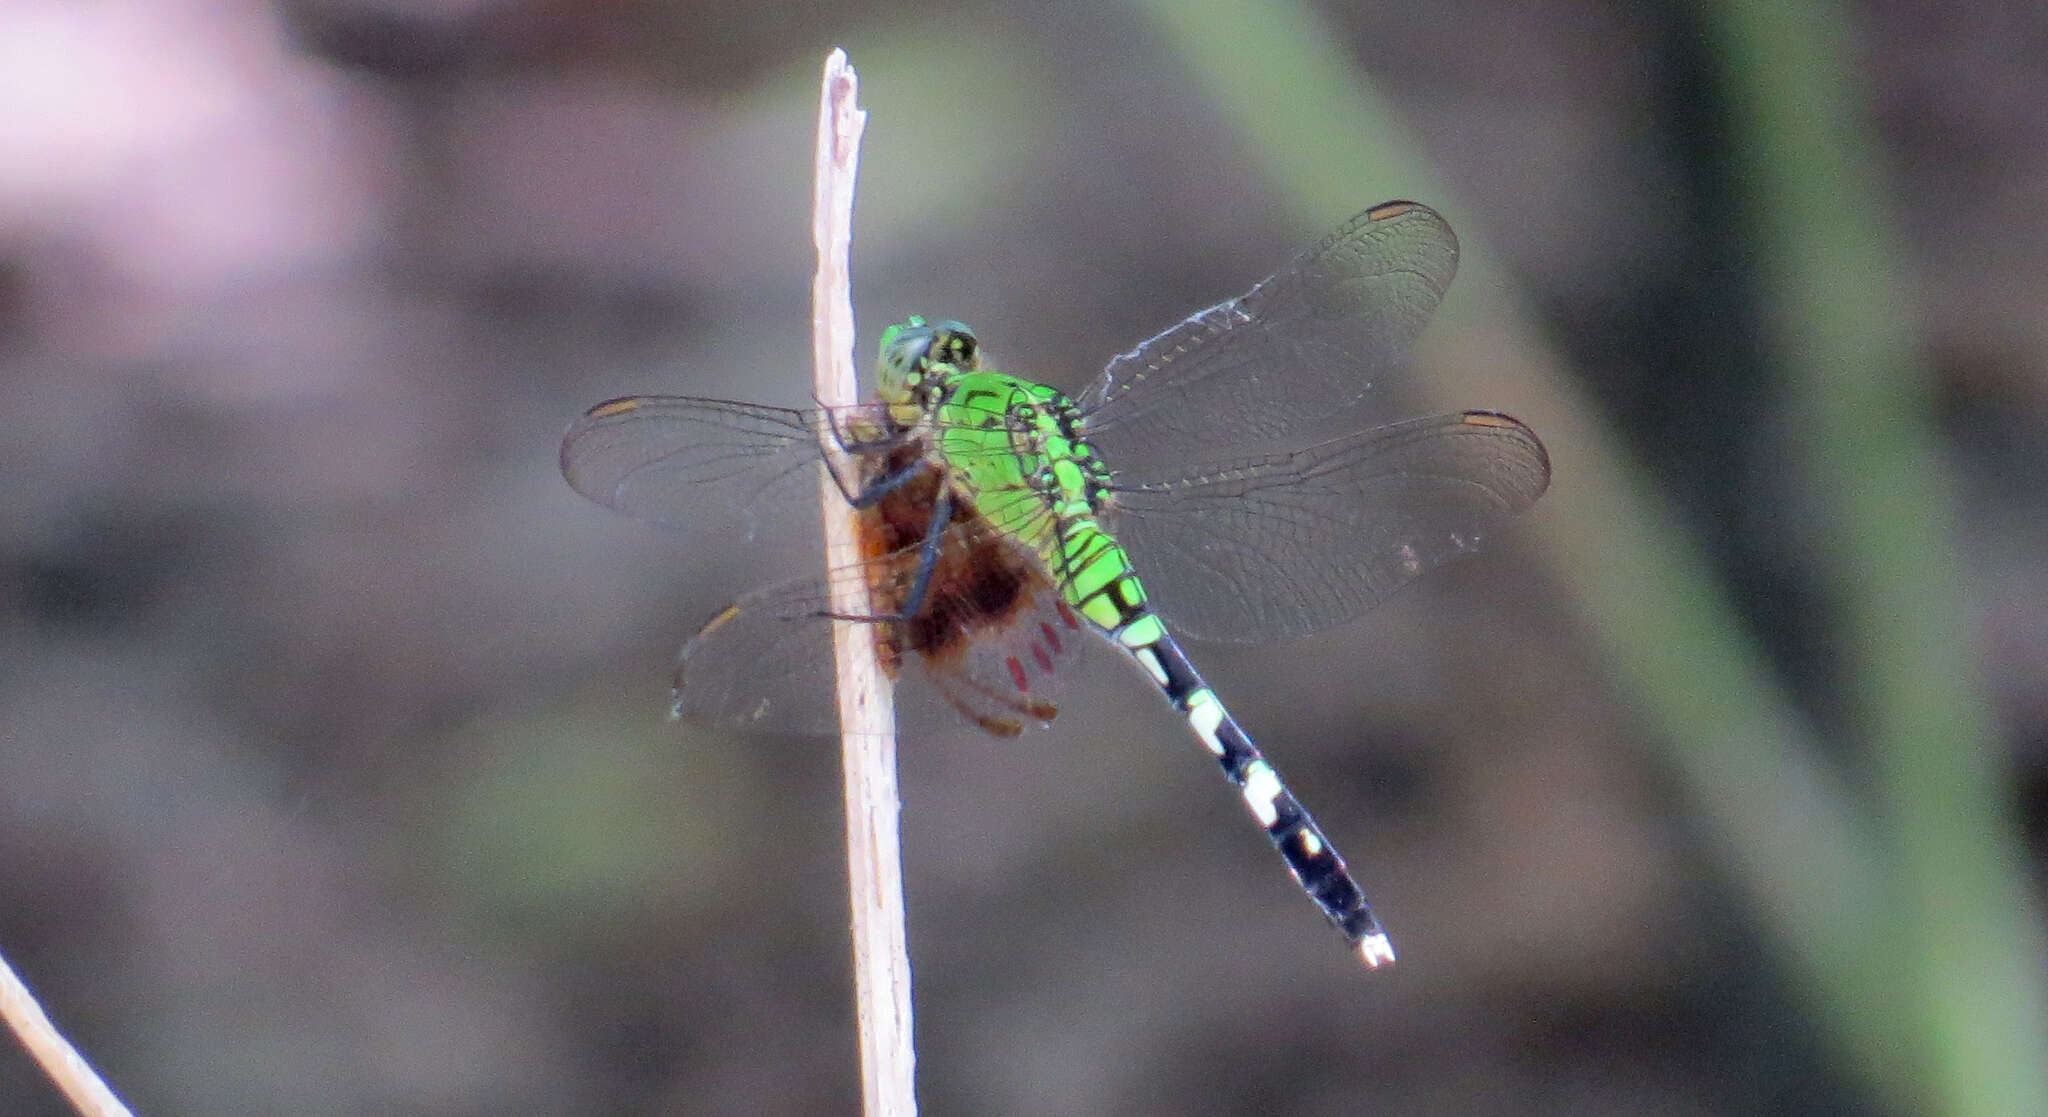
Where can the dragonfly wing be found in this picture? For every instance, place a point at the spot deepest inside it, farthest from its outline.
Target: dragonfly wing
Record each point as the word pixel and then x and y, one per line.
pixel 990 645
pixel 1283 360
pixel 671 459
pixel 764 663
pixel 1286 544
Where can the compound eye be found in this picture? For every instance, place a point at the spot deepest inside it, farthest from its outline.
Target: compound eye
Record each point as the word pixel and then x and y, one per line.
pixel 906 347
pixel 956 345
pixel 910 352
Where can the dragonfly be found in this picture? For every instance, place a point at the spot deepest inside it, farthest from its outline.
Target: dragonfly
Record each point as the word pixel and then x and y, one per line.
pixel 1259 465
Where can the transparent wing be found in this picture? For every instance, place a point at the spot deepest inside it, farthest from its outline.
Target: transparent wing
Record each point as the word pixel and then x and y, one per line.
pixel 672 459
pixel 1285 544
pixel 667 459
pixel 1283 360
pixel 989 651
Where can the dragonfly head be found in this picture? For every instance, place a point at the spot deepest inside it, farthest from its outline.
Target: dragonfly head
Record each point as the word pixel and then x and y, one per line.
pixel 916 356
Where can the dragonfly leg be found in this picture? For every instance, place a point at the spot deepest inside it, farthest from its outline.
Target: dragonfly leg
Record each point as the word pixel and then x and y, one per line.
pixel 927 562
pixel 864 494
pixel 1023 703
pixel 960 692
pixel 928 552
pixel 889 434
pixel 872 492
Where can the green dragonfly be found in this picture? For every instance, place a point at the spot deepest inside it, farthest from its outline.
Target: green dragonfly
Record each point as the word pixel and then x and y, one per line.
pixel 1257 462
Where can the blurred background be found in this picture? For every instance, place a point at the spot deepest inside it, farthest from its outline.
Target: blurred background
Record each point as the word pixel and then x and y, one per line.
pixel 334 776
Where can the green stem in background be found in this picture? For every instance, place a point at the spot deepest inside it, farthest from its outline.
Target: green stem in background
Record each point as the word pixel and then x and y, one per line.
pixel 1820 870
pixel 1971 967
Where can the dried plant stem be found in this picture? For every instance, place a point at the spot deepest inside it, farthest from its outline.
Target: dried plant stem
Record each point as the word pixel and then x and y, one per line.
pixel 881 957
pixel 62 1062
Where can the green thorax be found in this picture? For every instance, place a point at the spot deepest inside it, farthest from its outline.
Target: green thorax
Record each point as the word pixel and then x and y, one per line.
pixel 1014 449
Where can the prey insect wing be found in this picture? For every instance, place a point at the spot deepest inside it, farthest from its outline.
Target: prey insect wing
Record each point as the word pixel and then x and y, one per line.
pixel 986 638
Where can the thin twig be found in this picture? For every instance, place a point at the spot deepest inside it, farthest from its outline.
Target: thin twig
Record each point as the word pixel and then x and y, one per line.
pixel 61 1061
pixel 881 958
